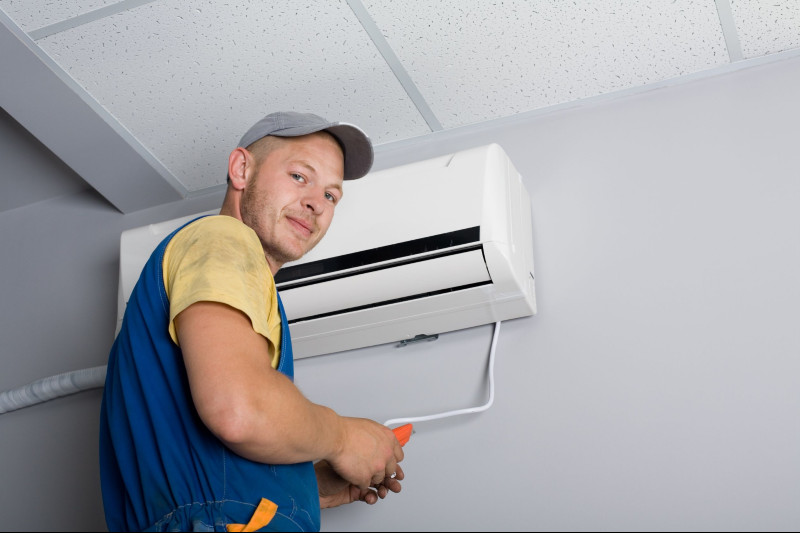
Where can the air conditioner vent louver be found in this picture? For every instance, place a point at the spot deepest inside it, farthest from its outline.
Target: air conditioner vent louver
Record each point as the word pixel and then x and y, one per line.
pixel 367 259
pixel 405 280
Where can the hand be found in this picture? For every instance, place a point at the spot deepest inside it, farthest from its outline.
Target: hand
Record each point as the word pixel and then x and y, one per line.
pixel 367 454
pixel 335 490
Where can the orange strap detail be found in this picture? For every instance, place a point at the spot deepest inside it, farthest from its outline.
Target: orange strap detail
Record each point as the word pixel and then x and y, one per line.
pixel 264 513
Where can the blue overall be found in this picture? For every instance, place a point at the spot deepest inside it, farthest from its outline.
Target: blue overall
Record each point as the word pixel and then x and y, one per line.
pixel 161 469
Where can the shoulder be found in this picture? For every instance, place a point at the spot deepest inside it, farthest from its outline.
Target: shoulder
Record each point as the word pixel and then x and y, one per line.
pixel 217 227
pixel 220 240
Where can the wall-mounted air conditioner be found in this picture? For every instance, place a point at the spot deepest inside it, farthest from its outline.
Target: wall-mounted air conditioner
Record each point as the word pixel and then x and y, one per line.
pixel 420 249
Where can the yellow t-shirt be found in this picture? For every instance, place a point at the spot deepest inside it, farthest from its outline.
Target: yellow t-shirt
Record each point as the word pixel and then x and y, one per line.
pixel 219 259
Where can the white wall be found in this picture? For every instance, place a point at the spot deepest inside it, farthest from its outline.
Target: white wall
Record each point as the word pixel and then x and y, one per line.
pixel 657 389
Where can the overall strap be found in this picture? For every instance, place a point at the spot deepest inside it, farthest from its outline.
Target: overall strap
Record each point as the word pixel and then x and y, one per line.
pixel 286 364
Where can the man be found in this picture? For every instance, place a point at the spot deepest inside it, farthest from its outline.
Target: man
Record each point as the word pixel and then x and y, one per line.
pixel 201 425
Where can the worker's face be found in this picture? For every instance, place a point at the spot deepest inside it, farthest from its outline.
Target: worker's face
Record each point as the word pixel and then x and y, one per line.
pixel 290 197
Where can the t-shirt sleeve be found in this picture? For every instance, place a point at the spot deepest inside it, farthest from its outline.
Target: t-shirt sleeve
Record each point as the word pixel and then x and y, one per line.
pixel 219 259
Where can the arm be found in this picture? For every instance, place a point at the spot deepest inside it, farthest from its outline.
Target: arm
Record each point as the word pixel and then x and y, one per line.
pixel 259 414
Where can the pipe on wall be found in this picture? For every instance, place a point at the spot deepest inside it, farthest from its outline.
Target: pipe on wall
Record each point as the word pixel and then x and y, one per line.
pixel 53 387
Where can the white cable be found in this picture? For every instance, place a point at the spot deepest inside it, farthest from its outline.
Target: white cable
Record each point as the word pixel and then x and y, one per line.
pixel 53 387
pixel 468 410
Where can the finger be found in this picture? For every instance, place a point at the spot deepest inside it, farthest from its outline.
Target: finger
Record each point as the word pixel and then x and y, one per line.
pixel 398 451
pixel 392 485
pixel 369 497
pixel 392 482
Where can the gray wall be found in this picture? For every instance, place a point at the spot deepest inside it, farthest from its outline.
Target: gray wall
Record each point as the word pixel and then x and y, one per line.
pixel 658 388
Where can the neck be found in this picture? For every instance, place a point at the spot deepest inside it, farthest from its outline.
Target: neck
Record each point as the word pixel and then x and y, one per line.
pixel 231 205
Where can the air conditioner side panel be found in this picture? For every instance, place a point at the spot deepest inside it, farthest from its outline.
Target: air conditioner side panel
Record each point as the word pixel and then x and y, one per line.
pixel 510 259
pixel 506 227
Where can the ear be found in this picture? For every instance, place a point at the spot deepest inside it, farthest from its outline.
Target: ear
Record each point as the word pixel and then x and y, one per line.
pixel 238 163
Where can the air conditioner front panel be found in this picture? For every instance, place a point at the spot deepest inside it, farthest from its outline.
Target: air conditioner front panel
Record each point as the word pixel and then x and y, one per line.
pixel 405 203
pixel 385 285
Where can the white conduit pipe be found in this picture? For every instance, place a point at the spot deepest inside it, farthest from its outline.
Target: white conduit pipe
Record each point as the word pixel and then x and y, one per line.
pixel 68 383
pixel 468 410
pixel 53 387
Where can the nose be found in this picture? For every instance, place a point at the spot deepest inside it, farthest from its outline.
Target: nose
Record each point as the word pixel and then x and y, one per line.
pixel 314 202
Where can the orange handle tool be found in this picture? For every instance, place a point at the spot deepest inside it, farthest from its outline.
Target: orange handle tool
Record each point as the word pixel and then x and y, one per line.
pixel 403 433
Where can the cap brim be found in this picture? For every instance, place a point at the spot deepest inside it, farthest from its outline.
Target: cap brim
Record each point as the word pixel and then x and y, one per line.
pixel 357 148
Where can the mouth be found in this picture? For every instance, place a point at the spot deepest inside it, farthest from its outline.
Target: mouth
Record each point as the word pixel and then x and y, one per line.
pixel 305 227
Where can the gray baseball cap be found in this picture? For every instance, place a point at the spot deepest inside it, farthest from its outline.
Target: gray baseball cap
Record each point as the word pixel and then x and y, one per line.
pixel 357 148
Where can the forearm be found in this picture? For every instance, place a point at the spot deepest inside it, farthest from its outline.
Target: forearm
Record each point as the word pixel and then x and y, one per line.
pixel 260 414
pixel 275 423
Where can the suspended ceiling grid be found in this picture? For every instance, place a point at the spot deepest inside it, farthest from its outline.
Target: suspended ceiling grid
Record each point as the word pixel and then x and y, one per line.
pixel 168 86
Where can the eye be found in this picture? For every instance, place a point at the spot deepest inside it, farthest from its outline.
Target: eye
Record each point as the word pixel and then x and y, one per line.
pixel 330 197
pixel 298 177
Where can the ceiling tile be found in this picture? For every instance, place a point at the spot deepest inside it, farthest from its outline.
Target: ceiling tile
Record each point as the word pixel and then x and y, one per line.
pixel 767 27
pixel 34 14
pixel 168 68
pixel 475 62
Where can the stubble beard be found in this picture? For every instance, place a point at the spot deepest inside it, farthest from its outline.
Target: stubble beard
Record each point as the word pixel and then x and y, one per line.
pixel 257 214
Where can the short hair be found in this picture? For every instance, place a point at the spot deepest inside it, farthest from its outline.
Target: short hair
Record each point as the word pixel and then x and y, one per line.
pixel 261 149
pixel 263 146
